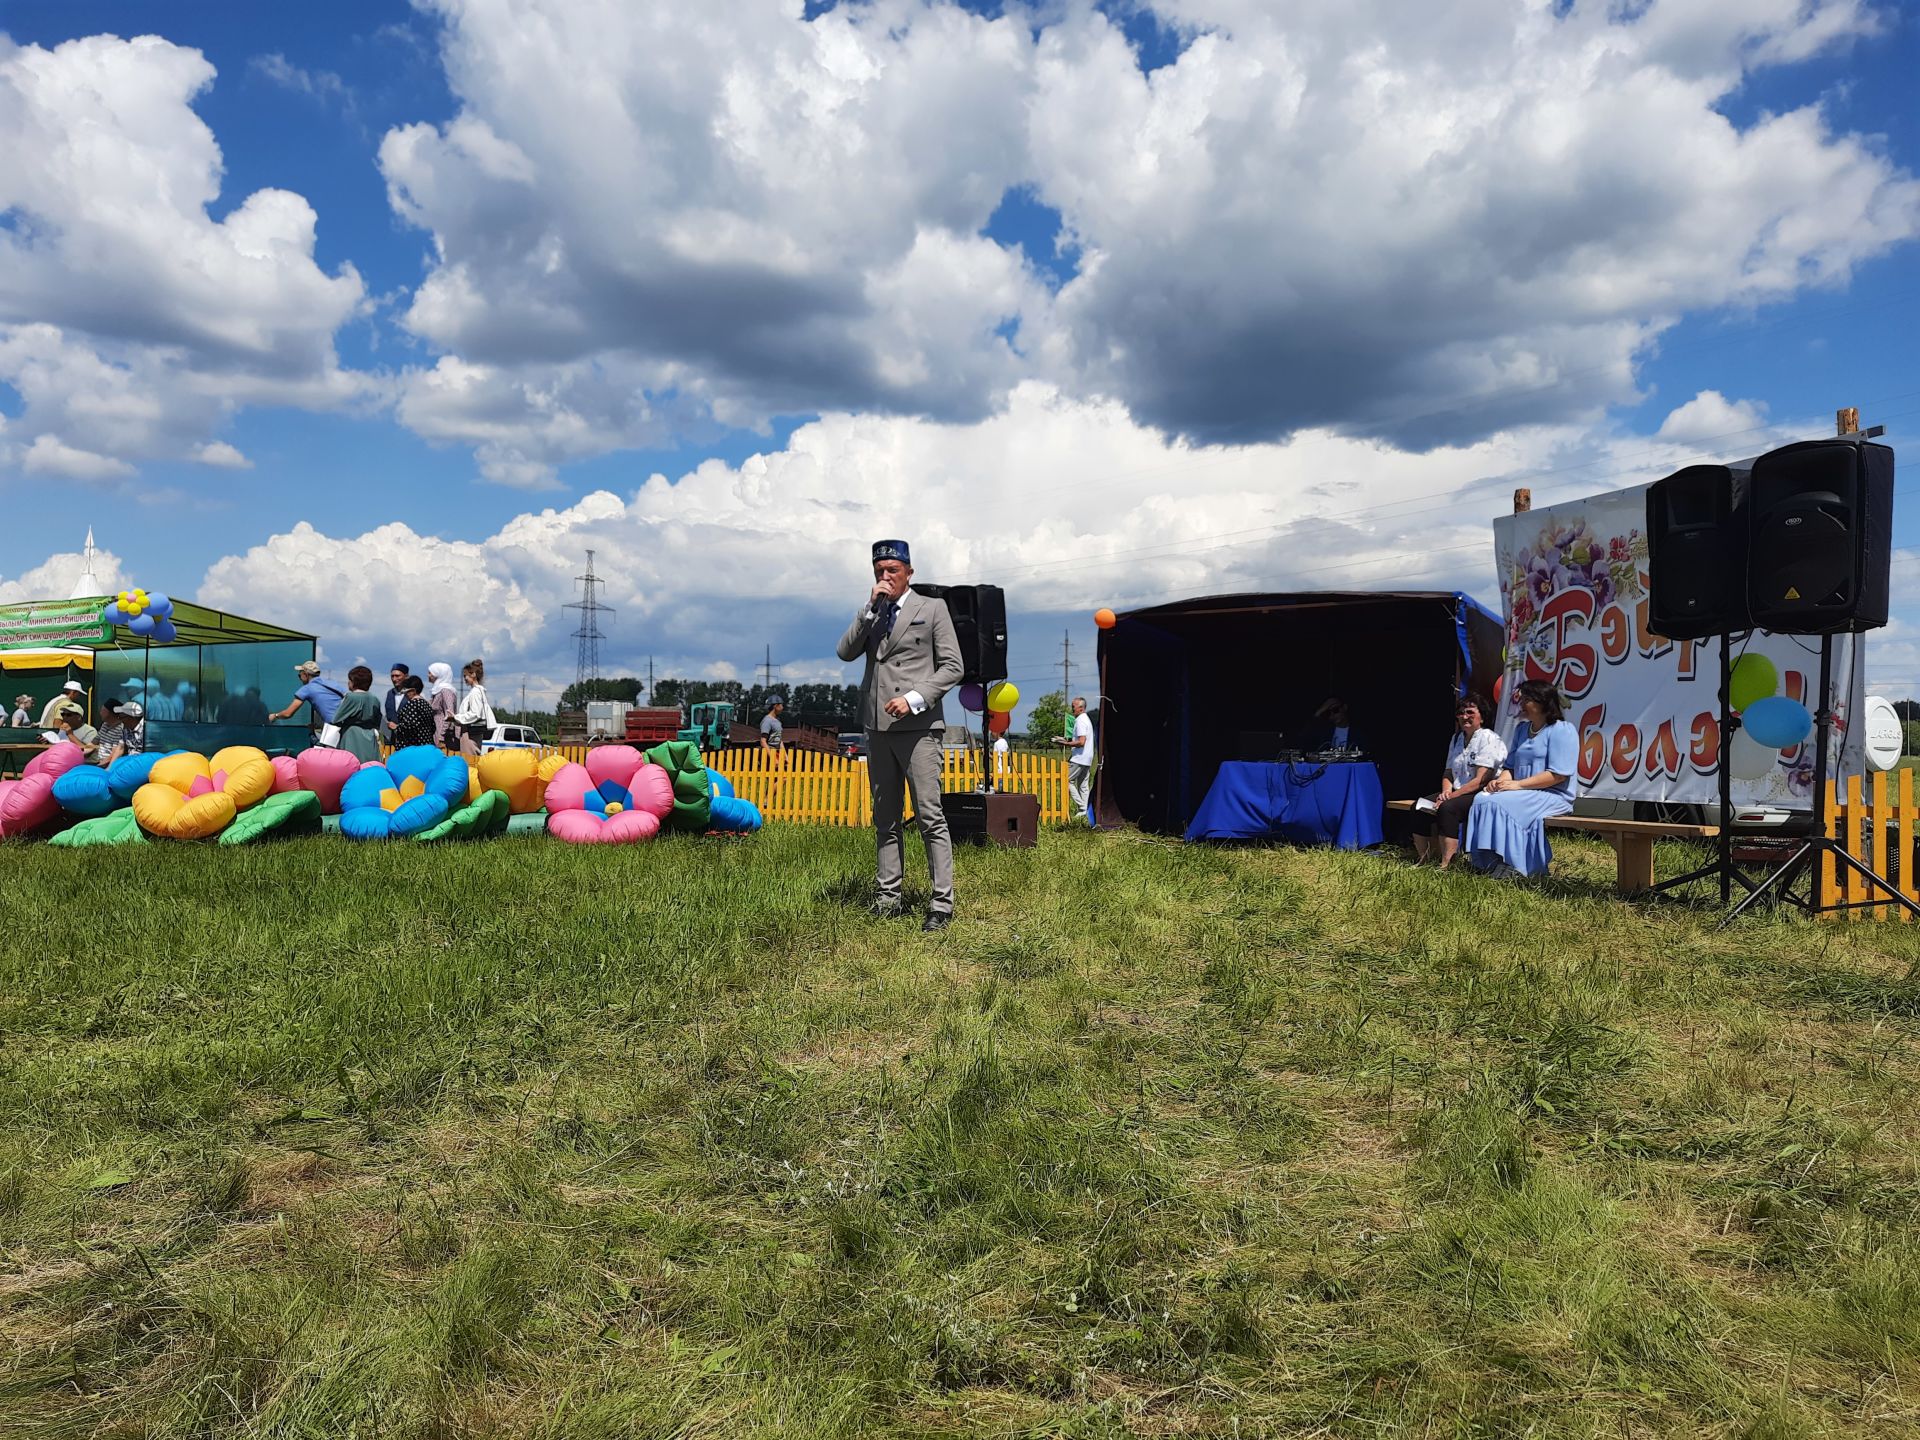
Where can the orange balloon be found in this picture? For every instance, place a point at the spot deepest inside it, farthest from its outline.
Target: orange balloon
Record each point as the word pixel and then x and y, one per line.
pixel 1105 618
pixel 997 722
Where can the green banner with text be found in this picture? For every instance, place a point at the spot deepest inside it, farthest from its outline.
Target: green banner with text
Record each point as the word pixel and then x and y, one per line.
pixel 46 624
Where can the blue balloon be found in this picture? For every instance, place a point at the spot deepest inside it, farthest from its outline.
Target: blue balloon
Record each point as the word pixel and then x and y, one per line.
pixel 142 624
pixel 163 630
pixel 113 614
pixel 159 606
pixel 1777 722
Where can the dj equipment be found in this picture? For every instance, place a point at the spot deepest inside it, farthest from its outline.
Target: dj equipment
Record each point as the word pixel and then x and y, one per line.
pixel 980 623
pixel 1820 519
pixel 1259 744
pixel 1697 552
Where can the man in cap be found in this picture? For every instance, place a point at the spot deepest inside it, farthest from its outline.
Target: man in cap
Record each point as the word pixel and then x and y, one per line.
pixel 119 731
pixel 913 660
pixel 71 693
pixel 773 735
pixel 397 674
pixel 323 695
pixel 22 716
pixel 71 724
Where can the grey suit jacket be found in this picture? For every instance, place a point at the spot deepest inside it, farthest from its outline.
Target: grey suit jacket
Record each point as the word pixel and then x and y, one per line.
pixel 921 654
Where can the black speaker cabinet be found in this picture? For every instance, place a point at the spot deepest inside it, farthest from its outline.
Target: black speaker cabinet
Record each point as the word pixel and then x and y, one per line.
pixel 1002 818
pixel 1820 537
pixel 1697 552
pixel 980 622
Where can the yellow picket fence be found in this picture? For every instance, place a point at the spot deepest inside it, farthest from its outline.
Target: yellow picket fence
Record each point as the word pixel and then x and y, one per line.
pixel 808 787
pixel 1875 823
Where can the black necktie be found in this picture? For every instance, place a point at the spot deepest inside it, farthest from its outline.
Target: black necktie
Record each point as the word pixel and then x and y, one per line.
pixel 883 622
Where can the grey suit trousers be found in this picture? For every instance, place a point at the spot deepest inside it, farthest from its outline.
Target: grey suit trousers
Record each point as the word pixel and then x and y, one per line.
pixel 910 758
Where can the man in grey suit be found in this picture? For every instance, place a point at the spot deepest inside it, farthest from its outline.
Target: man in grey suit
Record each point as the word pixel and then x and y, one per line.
pixel 913 660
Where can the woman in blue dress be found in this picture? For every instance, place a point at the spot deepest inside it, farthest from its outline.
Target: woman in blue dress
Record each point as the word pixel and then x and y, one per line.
pixel 1507 824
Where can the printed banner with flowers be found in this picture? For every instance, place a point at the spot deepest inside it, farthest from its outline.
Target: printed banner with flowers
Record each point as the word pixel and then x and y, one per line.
pixel 1573 590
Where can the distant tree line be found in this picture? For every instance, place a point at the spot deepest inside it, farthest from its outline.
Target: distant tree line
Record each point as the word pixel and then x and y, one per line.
pixel 810 699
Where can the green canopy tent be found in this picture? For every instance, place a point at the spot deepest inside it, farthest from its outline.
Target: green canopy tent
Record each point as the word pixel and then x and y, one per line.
pixel 212 685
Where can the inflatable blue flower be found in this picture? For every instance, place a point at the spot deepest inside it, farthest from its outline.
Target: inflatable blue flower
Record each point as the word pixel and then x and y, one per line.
pixel 415 790
pixel 90 791
pixel 731 815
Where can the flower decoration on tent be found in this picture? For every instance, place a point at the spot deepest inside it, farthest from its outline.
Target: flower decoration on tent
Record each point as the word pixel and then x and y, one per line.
pixel 149 616
pixel 617 797
pixel 192 797
pixel 412 793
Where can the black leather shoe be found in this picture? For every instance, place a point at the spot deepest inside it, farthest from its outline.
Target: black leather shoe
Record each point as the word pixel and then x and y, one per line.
pixel 886 912
pixel 937 920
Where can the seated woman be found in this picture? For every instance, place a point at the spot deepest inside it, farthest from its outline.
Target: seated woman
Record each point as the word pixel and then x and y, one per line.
pixel 1474 758
pixel 1507 825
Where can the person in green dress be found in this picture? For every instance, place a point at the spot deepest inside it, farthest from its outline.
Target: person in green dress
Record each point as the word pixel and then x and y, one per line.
pixel 358 716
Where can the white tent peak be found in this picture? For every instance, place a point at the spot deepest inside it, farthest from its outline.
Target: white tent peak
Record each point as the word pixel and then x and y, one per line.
pixel 89 583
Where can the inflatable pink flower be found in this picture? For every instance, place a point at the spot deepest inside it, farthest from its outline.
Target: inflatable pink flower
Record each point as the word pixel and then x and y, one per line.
pixel 617 797
pixel 318 769
pixel 27 803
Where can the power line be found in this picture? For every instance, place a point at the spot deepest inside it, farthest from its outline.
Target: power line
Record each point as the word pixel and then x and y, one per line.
pixel 589 636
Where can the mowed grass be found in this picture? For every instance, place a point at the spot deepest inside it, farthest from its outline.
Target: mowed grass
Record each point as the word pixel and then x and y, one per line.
pixel 522 1140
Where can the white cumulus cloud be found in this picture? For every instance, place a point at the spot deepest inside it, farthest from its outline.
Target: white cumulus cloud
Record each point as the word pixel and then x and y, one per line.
pixel 131 320
pixel 1069 504
pixel 1430 225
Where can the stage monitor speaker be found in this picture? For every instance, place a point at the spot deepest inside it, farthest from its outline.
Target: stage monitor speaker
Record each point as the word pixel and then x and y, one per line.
pixel 1696 552
pixel 1003 818
pixel 1820 537
pixel 980 622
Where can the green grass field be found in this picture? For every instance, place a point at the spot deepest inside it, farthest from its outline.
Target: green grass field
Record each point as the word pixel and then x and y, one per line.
pixel 524 1140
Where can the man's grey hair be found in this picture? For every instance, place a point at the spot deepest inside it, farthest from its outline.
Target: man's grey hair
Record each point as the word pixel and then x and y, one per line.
pixel 1079 700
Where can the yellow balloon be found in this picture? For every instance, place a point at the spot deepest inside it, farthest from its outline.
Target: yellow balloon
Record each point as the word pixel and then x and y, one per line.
pixel 1003 697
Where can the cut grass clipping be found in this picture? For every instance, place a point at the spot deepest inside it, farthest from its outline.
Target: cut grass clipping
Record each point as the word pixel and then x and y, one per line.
pixel 674 1140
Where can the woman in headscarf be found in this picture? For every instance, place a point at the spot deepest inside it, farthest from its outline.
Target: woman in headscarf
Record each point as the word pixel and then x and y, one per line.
pixel 445 701
pixel 358 716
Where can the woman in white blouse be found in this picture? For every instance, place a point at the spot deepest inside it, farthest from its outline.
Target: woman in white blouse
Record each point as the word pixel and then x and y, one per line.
pixel 1473 759
pixel 474 719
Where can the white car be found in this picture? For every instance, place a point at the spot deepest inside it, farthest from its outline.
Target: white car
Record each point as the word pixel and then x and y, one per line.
pixel 512 737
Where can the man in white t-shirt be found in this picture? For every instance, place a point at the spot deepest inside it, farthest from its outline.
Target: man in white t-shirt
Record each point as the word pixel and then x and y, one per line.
pixel 999 759
pixel 1079 759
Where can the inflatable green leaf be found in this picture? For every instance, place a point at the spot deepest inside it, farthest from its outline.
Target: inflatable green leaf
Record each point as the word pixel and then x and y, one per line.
pixel 117 828
pixel 692 798
pixel 291 812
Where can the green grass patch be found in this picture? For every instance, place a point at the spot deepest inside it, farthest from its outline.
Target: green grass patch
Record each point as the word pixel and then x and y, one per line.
pixel 530 1140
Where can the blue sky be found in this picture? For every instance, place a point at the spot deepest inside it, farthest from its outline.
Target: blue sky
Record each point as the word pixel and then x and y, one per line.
pixel 1194 361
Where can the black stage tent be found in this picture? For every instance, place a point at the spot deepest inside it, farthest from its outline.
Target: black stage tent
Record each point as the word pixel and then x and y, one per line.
pixel 1235 677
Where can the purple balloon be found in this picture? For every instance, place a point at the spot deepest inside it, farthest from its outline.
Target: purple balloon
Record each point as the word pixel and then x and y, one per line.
pixel 973 697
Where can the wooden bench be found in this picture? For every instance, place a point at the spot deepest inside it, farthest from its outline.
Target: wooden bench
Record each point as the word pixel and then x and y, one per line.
pixel 1632 842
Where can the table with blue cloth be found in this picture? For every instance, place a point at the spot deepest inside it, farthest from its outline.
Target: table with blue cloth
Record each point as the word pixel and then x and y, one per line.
pixel 1312 804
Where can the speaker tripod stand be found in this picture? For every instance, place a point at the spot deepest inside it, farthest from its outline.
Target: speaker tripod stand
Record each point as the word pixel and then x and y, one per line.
pixel 1812 853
